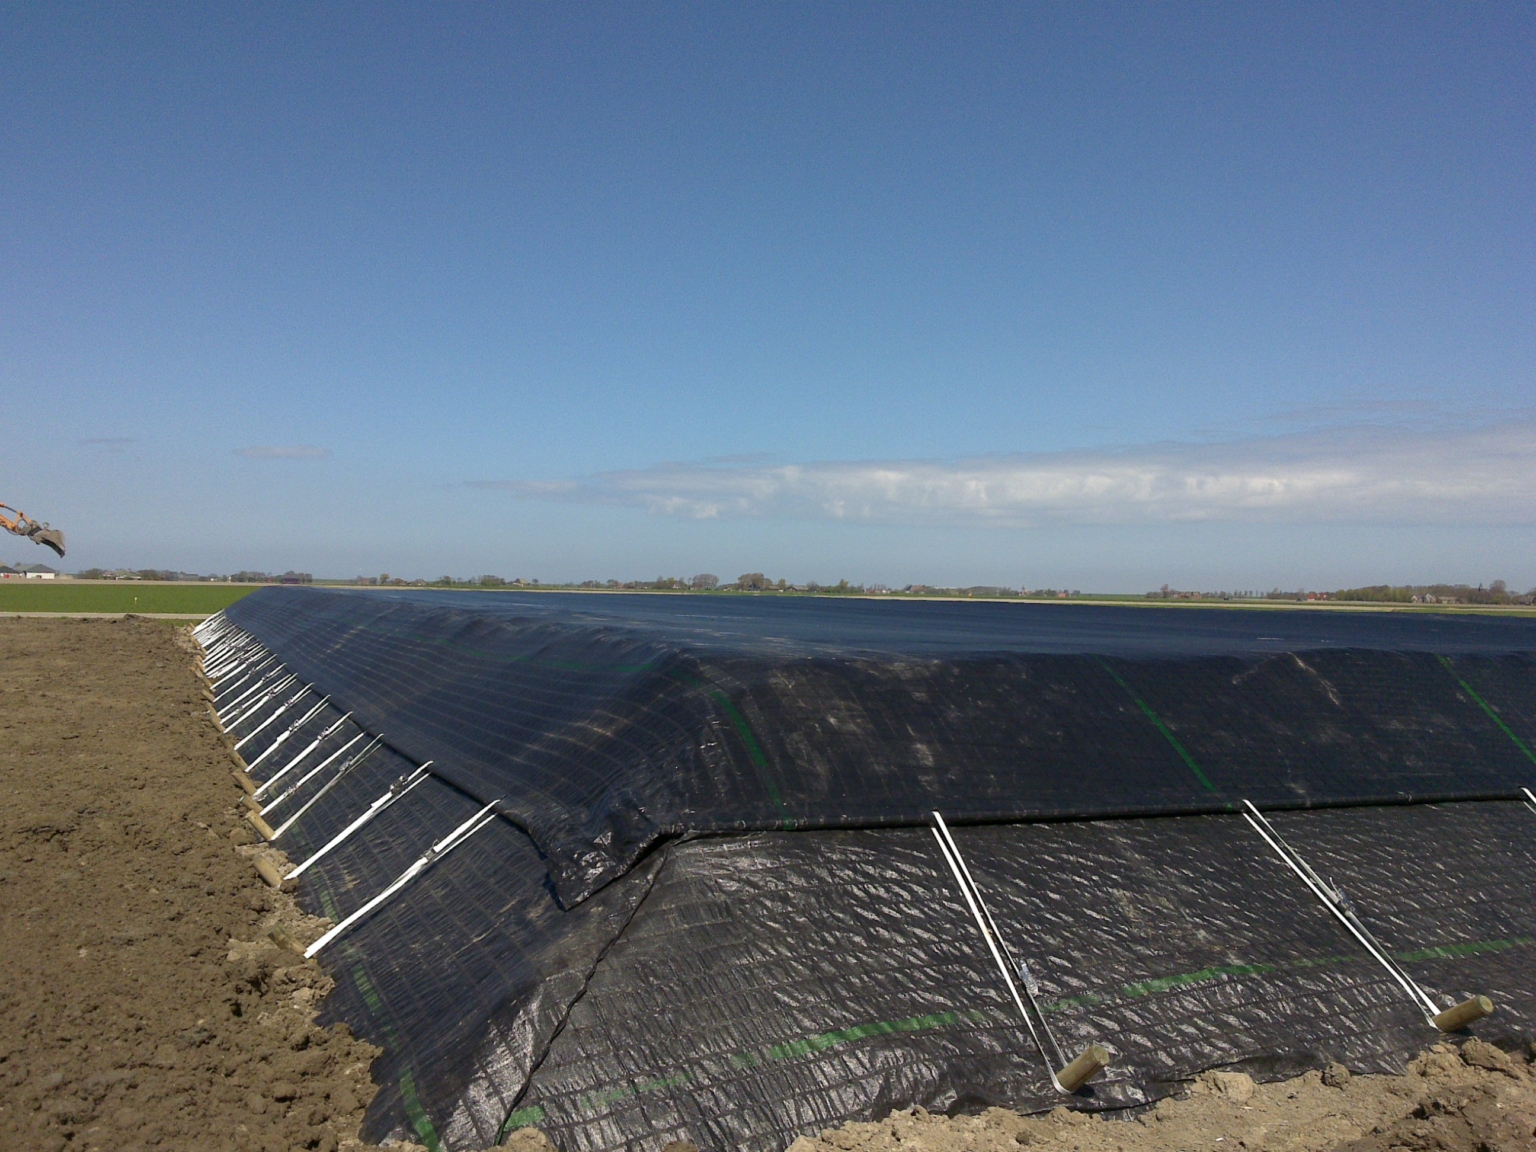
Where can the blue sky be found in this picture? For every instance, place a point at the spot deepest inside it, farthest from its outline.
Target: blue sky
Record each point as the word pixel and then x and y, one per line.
pixel 1094 296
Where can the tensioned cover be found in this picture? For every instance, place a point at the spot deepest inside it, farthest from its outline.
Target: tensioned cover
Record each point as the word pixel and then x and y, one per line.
pixel 743 989
pixel 601 724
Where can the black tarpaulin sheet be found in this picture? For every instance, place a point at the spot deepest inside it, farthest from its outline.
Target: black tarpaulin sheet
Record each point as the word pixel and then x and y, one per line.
pixel 464 976
pixel 744 989
pixel 774 984
pixel 598 735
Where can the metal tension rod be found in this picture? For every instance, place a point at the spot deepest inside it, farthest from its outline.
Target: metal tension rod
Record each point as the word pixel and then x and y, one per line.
pixel 292 700
pixel 1333 898
pixel 245 705
pixel 207 639
pixel 325 789
pixel 245 676
pixel 431 856
pixel 325 734
pixel 222 641
pixel 396 790
pixel 268 803
pixel 287 733
pixel 1094 1059
pixel 1530 799
pixel 232 648
pixel 241 711
pixel 231 659
pixel 213 621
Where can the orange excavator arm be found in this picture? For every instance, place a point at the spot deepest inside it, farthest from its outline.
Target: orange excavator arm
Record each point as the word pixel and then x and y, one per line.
pixel 23 525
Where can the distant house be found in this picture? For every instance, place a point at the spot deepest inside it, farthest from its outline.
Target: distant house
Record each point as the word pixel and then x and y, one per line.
pixel 9 573
pixel 40 572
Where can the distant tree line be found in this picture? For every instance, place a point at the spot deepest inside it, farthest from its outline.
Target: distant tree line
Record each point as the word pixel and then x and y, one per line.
pixel 1495 593
pixel 168 574
pixel 1492 594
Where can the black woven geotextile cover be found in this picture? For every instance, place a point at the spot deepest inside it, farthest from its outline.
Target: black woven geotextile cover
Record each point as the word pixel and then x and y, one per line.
pixel 599 739
pixel 461 978
pixel 774 984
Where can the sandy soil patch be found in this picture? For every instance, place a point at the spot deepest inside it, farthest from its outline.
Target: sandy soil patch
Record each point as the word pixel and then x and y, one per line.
pixel 1472 1099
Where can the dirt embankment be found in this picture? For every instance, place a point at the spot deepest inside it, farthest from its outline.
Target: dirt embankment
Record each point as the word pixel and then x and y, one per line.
pixel 141 1003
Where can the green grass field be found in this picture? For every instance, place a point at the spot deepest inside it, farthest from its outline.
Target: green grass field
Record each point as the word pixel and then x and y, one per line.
pixel 129 596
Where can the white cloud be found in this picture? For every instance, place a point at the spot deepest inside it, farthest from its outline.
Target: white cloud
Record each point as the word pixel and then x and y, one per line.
pixel 1364 475
pixel 290 452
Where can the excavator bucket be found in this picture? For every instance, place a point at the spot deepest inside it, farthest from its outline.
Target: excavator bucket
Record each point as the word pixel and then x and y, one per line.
pixel 52 537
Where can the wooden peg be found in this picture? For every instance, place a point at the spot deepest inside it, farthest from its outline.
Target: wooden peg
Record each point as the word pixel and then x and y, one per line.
pixel 1093 1061
pixel 268 872
pixel 260 825
pixel 1467 1012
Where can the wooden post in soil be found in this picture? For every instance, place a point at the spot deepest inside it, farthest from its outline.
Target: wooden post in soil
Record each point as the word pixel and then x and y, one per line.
pixel 1467 1012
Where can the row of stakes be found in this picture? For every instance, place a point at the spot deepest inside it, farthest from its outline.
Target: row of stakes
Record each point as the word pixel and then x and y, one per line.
pixel 1069 1077
pixel 242 678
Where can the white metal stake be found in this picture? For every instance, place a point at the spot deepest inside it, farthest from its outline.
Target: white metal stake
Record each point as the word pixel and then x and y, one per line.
pixel 997 957
pixel 243 705
pixel 284 736
pixel 1530 799
pixel 218 623
pixel 1002 940
pixel 231 657
pixel 246 676
pixel 242 713
pixel 215 619
pixel 222 639
pixel 318 768
pixel 216 667
pixel 1334 903
pixel 220 646
pixel 396 790
pixel 233 669
pixel 206 636
pixel 310 747
pixel 444 846
pixel 325 789
pixel 225 640
pixel 292 700
pixel 235 665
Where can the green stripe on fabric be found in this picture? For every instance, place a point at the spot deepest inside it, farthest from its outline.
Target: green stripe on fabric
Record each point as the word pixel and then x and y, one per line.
pixel 823 1041
pixel 377 1009
pixel 1165 983
pixel 754 752
pixel 419 1118
pixel 1492 715
pixel 1457 951
pixel 1163 728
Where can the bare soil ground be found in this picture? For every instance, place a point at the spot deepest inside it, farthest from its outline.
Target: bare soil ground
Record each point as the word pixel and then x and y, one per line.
pixel 1469 1099
pixel 144 1004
